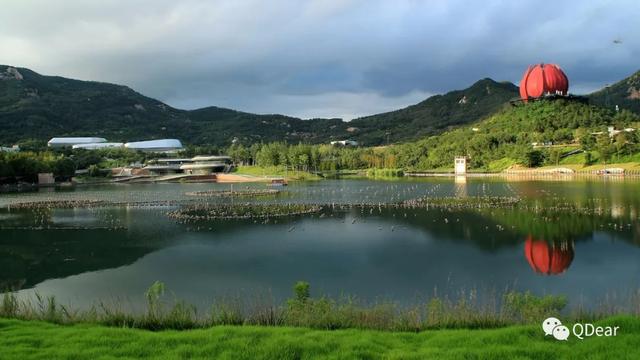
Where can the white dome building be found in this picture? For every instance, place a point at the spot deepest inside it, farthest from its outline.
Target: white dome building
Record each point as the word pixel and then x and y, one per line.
pixel 70 141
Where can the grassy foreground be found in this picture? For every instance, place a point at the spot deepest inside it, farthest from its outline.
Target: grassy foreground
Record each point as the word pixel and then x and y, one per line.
pixel 21 339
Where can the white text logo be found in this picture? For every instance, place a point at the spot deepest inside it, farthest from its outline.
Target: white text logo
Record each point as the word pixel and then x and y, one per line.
pixel 553 326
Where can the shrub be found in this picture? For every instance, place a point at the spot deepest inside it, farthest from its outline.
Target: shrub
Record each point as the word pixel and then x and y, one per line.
pixel 526 307
pixel 94 171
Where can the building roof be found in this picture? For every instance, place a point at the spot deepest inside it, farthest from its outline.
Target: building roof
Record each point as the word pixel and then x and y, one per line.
pixel 159 145
pixel 210 158
pixel 207 165
pixel 70 141
pixel 179 160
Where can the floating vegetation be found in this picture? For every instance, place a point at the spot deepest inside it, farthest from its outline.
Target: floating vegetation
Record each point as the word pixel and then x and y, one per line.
pixel 88 204
pixel 201 212
pixel 232 193
pixel 464 203
pixel 49 227
pixel 60 204
pixel 158 203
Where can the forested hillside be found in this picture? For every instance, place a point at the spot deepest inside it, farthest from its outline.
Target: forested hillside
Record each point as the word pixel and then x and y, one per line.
pixel 33 106
pixel 509 135
pixel 437 113
pixel 557 127
pixel 624 93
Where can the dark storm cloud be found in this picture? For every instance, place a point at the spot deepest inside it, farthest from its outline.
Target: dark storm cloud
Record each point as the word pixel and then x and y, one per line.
pixel 330 58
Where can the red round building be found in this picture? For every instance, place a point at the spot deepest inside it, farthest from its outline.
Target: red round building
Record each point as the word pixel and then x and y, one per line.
pixel 543 79
pixel 548 259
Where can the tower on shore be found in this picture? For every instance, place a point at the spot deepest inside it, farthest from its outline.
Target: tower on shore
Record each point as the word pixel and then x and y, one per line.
pixel 460 165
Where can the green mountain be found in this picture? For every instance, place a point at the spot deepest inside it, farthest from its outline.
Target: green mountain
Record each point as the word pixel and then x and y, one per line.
pixel 436 114
pixel 506 137
pixel 33 106
pixel 40 107
pixel 214 125
pixel 625 94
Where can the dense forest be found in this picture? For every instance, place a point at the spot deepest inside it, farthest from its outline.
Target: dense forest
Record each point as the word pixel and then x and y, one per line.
pixel 500 140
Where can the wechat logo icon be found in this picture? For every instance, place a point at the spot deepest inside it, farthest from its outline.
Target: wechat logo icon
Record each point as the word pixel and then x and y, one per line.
pixel 552 326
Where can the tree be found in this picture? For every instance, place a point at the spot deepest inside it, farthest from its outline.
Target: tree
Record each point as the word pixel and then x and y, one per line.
pixel 94 171
pixel 554 156
pixel 239 154
pixel 622 144
pixel 534 158
pixel 587 158
pixel 624 118
pixel 605 148
pixel 64 168
pixel 588 142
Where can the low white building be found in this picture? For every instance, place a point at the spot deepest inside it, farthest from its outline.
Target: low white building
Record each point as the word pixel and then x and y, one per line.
pixel 345 142
pixel 94 146
pixel 70 141
pixel 218 158
pixel 613 131
pixel 198 165
pixel 14 148
pixel 162 145
pixel 204 165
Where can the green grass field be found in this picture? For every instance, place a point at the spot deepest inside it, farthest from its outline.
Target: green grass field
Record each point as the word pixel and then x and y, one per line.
pixel 39 340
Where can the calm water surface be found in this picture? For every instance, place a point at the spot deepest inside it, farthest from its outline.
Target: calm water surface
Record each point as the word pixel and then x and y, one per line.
pixel 84 255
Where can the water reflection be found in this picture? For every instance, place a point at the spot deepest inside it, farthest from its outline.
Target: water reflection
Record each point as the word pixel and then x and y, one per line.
pixel 548 258
pixel 80 254
pixel 461 186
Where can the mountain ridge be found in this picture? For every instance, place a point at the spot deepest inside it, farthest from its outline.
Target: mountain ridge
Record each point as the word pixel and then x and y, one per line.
pixel 457 107
pixel 624 93
pixel 35 106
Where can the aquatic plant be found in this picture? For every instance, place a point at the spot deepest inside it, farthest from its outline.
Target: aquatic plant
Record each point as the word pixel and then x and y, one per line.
pixel 199 212
pixel 233 193
pixel 59 204
pixel 531 308
pixel 475 202
pixel 465 310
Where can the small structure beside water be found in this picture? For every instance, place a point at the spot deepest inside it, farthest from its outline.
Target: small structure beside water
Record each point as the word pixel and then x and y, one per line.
pixel 460 165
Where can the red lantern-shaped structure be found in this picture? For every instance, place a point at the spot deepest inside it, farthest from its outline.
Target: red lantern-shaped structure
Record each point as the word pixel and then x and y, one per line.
pixel 543 79
pixel 548 259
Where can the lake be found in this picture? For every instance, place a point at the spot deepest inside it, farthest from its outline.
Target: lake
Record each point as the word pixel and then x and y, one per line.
pixel 83 255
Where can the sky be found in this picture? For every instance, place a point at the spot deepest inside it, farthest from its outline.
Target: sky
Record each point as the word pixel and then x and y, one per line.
pixel 317 58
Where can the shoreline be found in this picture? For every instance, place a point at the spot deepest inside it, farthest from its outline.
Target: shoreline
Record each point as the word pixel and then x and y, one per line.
pixel 521 174
pixel 560 173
